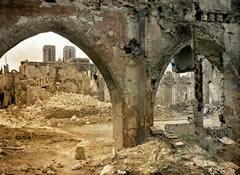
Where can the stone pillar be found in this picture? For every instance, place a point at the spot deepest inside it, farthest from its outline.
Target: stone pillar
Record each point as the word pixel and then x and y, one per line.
pixel 133 104
pixel 117 115
pixel 101 90
pixel 199 84
pixel 129 107
pixel 198 120
pixel 148 100
pixel 199 92
pixel 205 84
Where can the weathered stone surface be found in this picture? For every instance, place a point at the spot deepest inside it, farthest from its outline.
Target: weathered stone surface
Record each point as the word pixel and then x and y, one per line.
pixel 181 129
pixel 107 170
pixel 160 30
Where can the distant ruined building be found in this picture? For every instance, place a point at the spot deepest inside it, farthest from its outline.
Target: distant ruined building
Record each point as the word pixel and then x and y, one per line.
pixel 179 88
pixel 49 53
pixel 69 52
pixel 175 88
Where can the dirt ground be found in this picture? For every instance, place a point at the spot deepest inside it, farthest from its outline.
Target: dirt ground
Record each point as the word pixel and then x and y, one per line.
pixel 34 150
pixel 37 140
pixel 31 142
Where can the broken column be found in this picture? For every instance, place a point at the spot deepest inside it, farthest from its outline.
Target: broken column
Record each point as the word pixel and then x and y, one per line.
pixel 198 120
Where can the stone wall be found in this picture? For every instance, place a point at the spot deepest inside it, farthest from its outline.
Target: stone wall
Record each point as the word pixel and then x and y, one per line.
pixel 216 5
pixel 232 76
pixel 212 84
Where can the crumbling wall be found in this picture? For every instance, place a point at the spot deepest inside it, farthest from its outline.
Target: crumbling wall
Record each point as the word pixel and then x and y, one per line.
pixel 73 80
pixel 35 93
pixel 37 70
pixel 212 83
pixel 67 76
pixel 216 5
pixel 231 76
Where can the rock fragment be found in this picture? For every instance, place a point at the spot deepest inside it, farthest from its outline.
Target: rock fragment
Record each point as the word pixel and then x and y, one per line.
pixel 80 153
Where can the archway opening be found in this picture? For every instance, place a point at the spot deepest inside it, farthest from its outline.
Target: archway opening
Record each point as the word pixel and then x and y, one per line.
pixel 58 98
pixel 174 98
pixel 175 108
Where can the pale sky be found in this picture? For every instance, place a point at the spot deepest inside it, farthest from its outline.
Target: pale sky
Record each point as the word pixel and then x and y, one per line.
pixel 32 49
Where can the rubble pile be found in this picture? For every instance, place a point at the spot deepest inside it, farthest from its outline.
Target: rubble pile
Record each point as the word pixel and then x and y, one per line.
pixel 66 105
pixel 181 107
pixel 173 111
pixel 162 112
pixel 61 105
pixel 213 116
pixel 74 101
pixel 158 157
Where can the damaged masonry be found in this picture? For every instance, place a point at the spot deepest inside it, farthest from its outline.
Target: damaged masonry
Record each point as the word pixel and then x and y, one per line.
pixel 160 95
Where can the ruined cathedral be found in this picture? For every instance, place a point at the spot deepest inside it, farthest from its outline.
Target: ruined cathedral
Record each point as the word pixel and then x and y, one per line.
pixel 153 60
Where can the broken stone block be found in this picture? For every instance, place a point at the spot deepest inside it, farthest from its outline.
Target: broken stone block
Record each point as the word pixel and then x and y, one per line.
pixel 211 17
pixel 120 172
pixel 107 170
pixel 219 17
pixel 178 144
pixel 155 131
pixel 50 172
pixel 80 153
pixel 74 118
pixel 77 167
pixel 181 129
pixel 204 17
pixel 226 141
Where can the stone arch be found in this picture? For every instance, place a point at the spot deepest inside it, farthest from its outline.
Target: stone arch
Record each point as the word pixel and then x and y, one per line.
pixel 215 52
pixel 67 28
pixel 212 51
pixel 164 62
pixel 94 43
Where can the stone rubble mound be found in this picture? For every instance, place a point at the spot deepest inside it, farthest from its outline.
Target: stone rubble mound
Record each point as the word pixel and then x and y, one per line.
pixel 61 105
pixel 157 157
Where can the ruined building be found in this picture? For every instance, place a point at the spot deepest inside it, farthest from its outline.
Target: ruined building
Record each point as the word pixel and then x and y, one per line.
pixel 175 88
pixel 49 53
pixel 69 52
pixel 8 81
pixel 133 42
pixel 38 79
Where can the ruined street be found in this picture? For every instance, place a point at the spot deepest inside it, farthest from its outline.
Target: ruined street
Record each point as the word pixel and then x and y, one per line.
pixel 78 140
